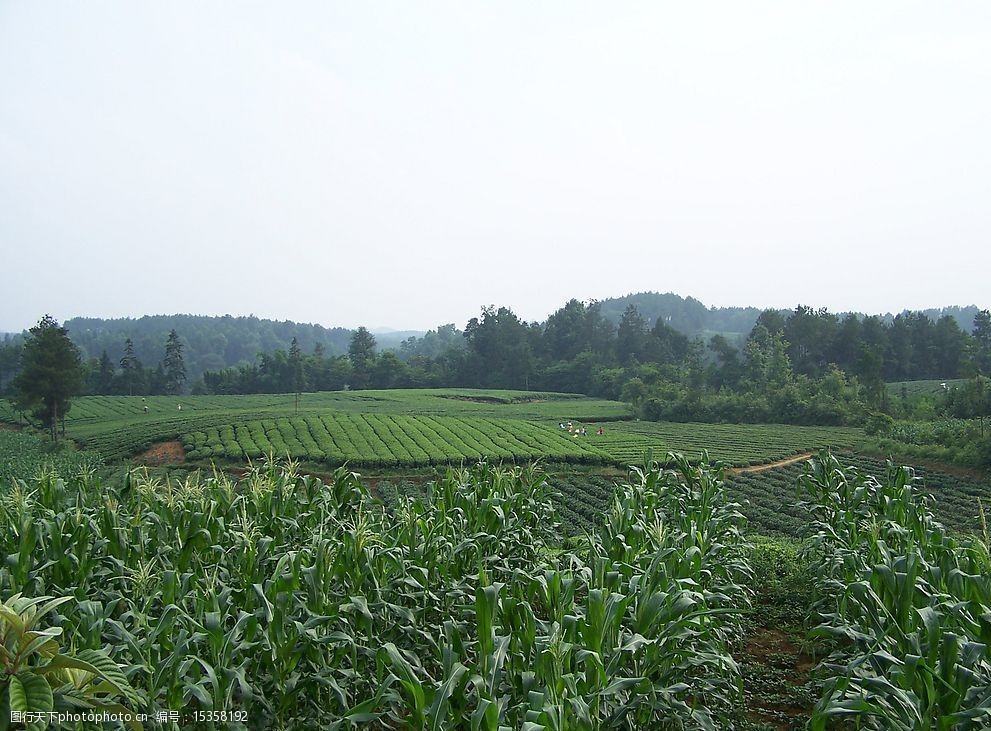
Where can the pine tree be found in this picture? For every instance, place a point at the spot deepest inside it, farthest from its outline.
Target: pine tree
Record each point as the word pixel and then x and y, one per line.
pixel 175 369
pixel 129 366
pixel 50 376
pixel 105 377
pixel 296 370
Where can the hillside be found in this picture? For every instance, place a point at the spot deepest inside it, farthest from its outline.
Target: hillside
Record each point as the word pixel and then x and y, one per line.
pixel 691 317
pixel 210 342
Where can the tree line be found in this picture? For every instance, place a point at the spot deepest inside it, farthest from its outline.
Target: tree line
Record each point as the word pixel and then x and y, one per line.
pixel 810 366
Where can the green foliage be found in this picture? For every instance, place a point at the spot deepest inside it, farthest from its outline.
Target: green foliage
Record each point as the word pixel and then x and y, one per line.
pixel 24 455
pixel 305 604
pixel 965 442
pixel 173 364
pixel 50 374
pixel 908 603
pixel 36 677
pixel 878 424
pixel 361 353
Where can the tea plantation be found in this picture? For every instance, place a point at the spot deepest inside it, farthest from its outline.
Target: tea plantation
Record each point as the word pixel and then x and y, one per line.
pixel 418 428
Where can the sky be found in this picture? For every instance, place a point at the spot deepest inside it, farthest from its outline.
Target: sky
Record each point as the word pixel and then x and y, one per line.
pixel 396 164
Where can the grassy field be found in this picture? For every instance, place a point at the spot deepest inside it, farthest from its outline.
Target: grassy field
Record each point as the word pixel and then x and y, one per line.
pixel 418 428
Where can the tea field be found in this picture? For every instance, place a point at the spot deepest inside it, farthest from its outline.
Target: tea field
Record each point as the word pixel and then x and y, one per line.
pixel 380 440
pixel 735 444
pixel 418 428
pixel 768 499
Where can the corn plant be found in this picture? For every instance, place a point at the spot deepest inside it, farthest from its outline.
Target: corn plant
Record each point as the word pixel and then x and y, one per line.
pixel 36 677
pixel 909 604
pixel 306 603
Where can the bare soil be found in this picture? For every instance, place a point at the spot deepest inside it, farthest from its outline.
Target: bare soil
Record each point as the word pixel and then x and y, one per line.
pixel 163 453
pixel 778 672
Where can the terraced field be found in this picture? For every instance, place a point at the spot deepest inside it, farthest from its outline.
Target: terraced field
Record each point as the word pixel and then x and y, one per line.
pixel 119 427
pixel 385 440
pixel 735 444
pixel 769 498
pixel 414 428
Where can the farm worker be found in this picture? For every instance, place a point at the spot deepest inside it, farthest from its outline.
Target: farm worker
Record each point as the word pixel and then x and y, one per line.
pixel 584 432
pixel 180 407
pixel 561 425
pixel 146 407
pixel 600 432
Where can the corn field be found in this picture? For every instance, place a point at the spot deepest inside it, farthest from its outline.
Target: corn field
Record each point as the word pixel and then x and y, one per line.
pixel 306 604
pixel 909 605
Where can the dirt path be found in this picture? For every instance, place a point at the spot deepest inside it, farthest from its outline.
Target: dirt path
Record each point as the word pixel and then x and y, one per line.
pixel 778 674
pixel 769 465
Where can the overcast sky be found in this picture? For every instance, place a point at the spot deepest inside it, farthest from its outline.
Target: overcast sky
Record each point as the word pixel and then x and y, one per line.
pixel 402 164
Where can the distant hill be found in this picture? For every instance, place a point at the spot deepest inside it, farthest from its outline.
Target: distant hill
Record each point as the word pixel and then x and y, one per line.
pixel 209 343
pixel 387 338
pixel 685 314
pixel 691 317
pixel 963 315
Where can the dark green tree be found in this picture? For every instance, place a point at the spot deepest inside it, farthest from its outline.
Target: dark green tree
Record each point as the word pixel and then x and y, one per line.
pixel 51 374
pixel 296 371
pixel 665 345
pixel 105 375
pixel 10 358
pixel 175 369
pixel 982 341
pixel 631 337
pixel 728 370
pixel 130 367
pixel 361 353
pixel 499 350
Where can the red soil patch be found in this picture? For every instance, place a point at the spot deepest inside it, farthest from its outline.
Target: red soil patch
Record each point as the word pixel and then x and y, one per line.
pixel 766 643
pixel 163 453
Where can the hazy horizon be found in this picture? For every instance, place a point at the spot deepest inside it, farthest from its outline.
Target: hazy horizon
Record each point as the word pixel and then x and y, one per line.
pixel 386 329
pixel 401 166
